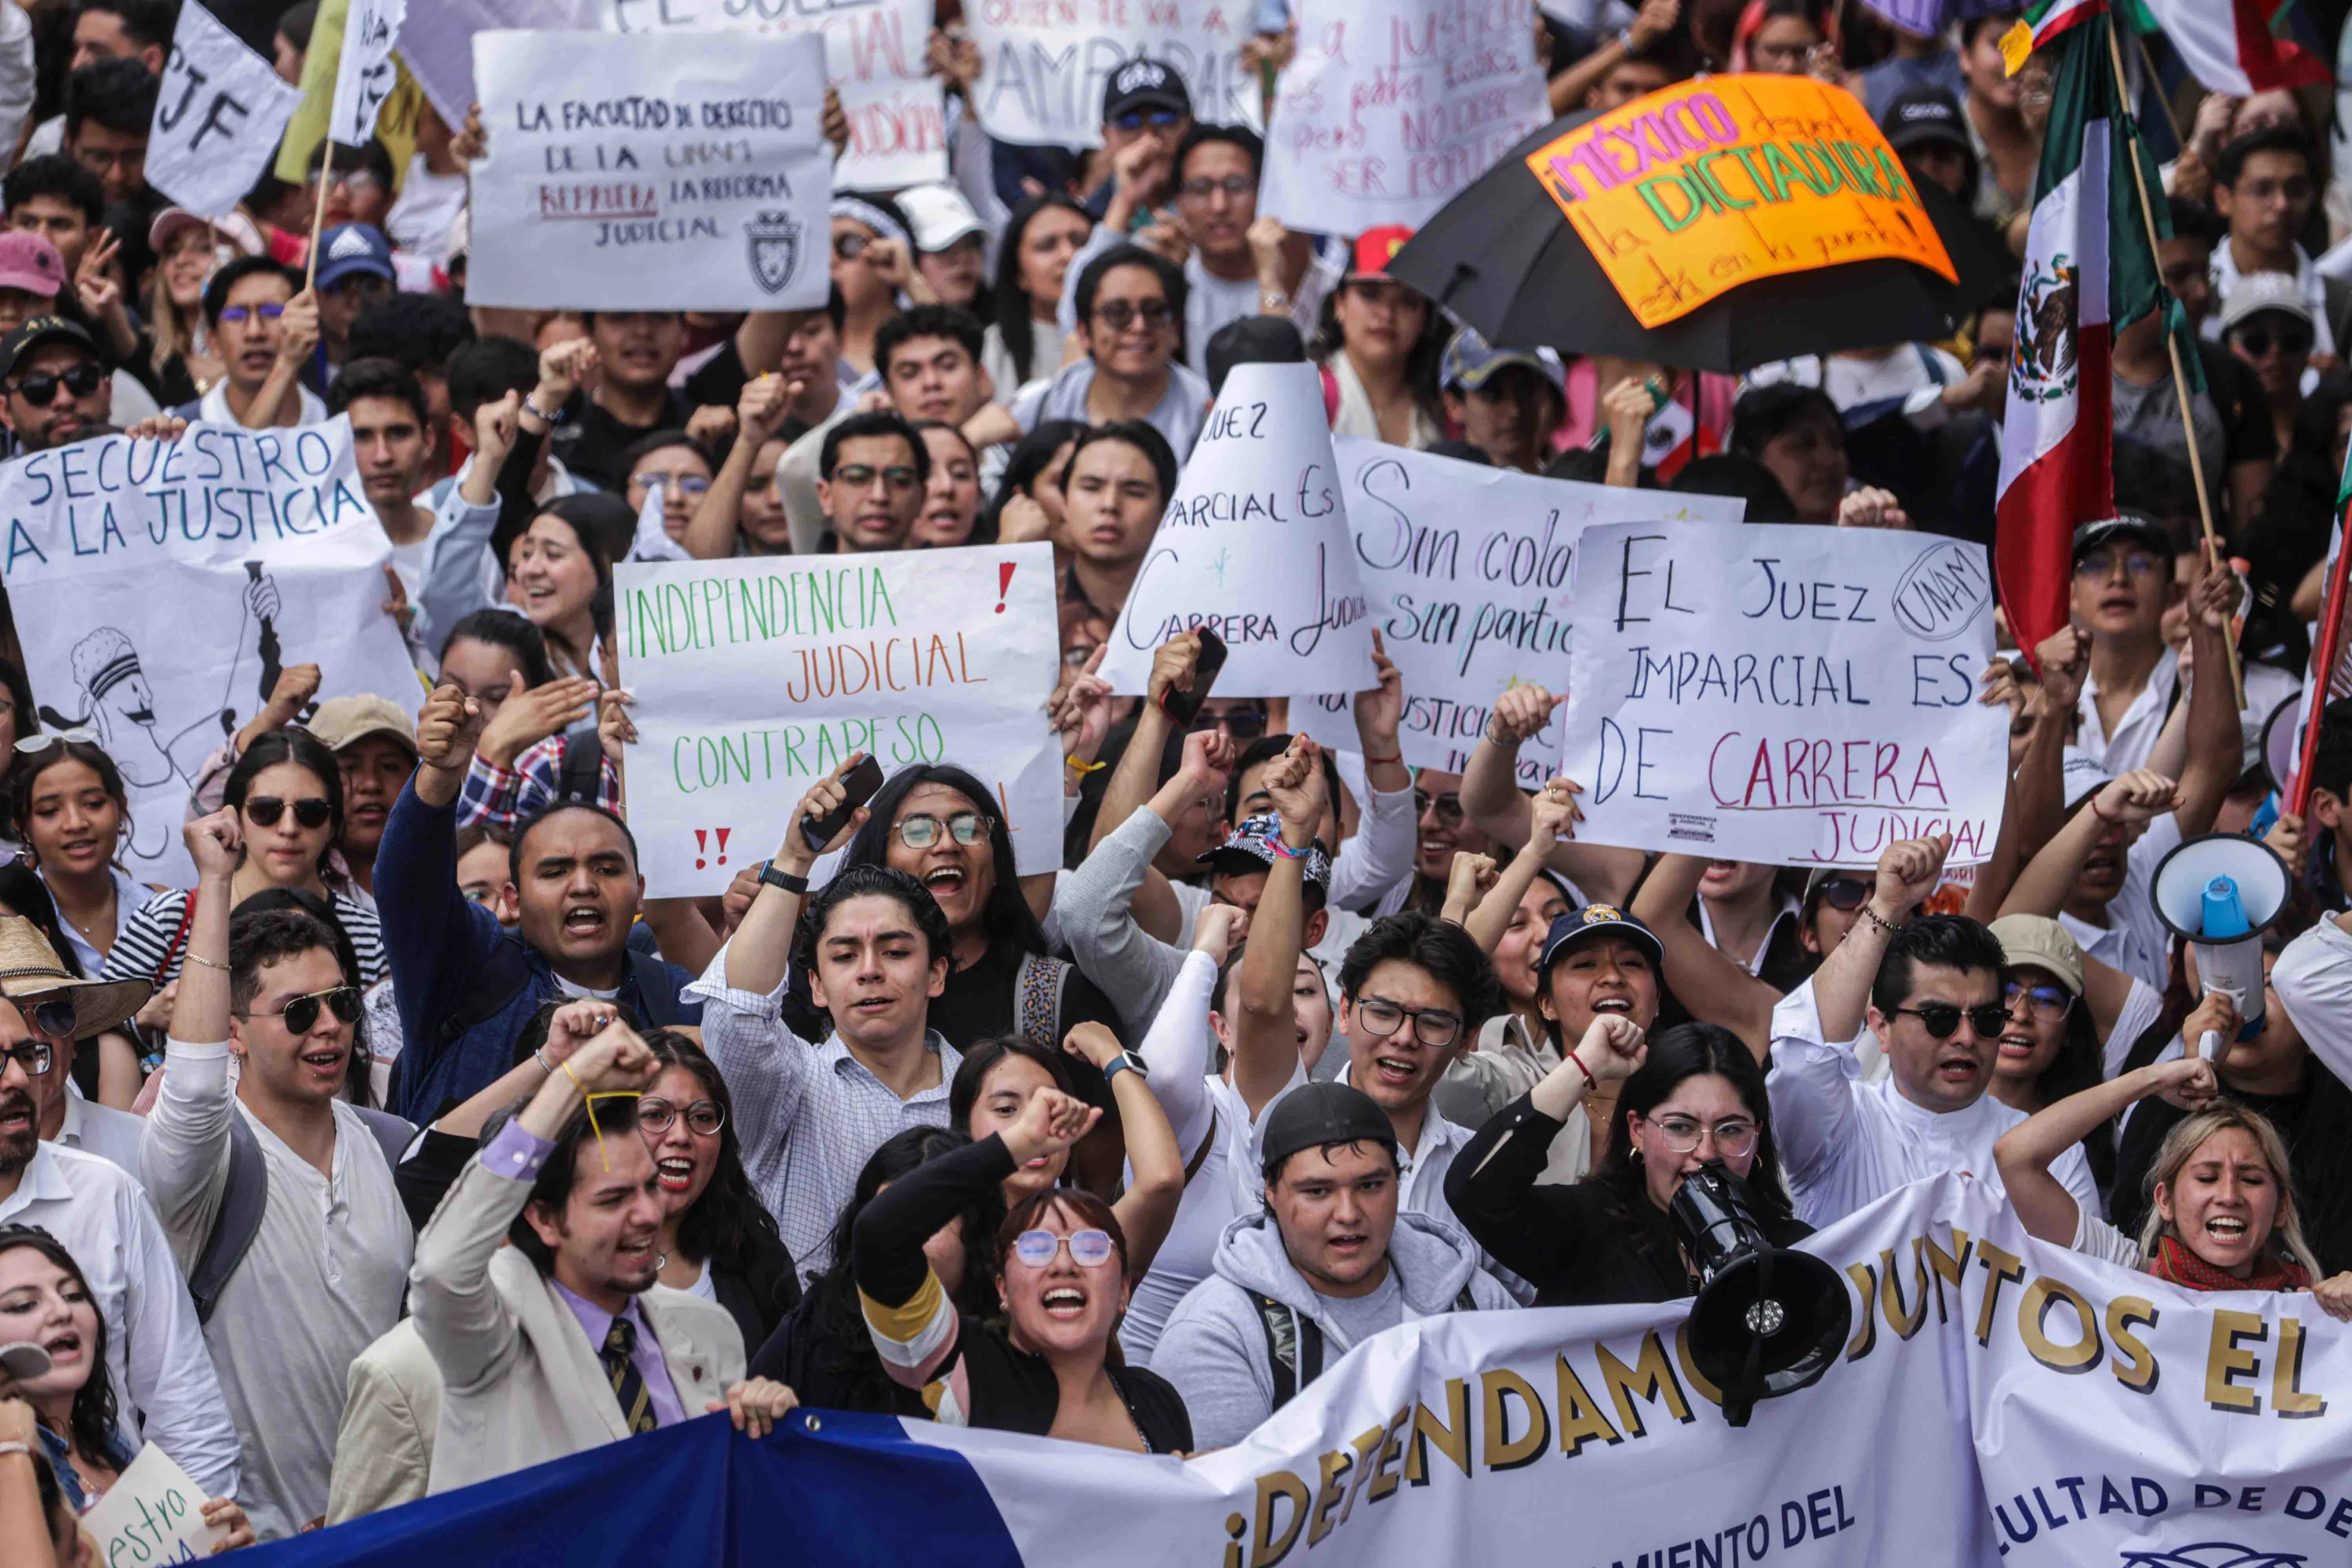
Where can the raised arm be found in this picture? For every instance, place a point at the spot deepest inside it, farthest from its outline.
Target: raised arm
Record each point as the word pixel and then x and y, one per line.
pixel 183 1145
pixel 1715 989
pixel 1133 780
pixel 2216 737
pixel 2136 797
pixel 1156 1184
pixel 1176 1048
pixel 1492 801
pixel 756 956
pixel 1265 1019
pixel 2027 1151
pixel 1908 872
pixel 2034 804
pixel 760 414
pixel 1553 816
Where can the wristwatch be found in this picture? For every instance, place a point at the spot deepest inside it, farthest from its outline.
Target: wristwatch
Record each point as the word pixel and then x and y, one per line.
pixel 1125 1061
pixel 771 877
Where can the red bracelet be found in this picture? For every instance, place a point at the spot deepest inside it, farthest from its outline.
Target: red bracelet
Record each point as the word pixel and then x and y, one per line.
pixel 1591 1084
pixel 1372 761
pixel 2103 817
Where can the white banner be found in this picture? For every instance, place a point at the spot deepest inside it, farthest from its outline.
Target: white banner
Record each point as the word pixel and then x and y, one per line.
pixel 436 41
pixel 1467 571
pixel 1044 63
pixel 754 677
pixel 677 171
pixel 1800 696
pixel 219 112
pixel 1392 108
pixel 263 547
pixel 365 76
pixel 874 51
pixel 1254 546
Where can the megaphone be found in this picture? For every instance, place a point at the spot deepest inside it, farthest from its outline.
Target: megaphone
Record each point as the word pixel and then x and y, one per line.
pixel 2219 892
pixel 1767 1322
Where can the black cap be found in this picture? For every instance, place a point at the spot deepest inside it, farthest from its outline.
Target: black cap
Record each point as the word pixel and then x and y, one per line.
pixel 2131 525
pixel 1924 117
pixel 1252 339
pixel 1315 1115
pixel 41 329
pixel 1144 84
pixel 1592 922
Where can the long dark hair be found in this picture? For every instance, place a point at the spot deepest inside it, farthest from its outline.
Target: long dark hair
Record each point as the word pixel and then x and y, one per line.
pixel 510 630
pixel 1688 1051
pixel 306 752
pixel 726 1219
pixel 1010 300
pixel 1032 455
pixel 1421 361
pixel 94 1426
pixel 963 1089
pixel 1007 915
pixel 603 524
pixel 28 769
pixel 2080 1064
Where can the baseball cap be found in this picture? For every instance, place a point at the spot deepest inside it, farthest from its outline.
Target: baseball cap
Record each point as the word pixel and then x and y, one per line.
pixel 2131 526
pixel 342 721
pixel 353 248
pixel 1247 848
pixel 937 216
pixel 1144 84
pixel 237 229
pixel 1924 117
pixel 1375 248
pixel 1470 363
pixel 1316 1115
pixel 2043 943
pixel 31 263
pixel 2080 775
pixel 2259 292
pixel 1595 920
pixel 38 331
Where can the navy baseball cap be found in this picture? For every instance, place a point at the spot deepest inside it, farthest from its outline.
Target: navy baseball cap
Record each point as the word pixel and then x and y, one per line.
pixel 1247 848
pixel 353 248
pixel 1593 921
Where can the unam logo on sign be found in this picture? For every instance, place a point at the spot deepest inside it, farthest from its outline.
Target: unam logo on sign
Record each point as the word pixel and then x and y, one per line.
pixel 775 248
pixel 2211 1554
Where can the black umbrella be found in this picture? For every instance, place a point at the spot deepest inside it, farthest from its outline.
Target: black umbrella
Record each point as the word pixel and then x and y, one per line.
pixel 1505 259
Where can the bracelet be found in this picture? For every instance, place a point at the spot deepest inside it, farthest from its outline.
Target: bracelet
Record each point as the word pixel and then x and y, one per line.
pixel 575 1079
pixel 544 418
pixel 1274 842
pixel 2103 817
pixel 1272 300
pixel 1371 760
pixel 208 964
pixel 540 1055
pixel 1083 768
pixel 1591 1084
pixel 1874 918
pixel 13 1447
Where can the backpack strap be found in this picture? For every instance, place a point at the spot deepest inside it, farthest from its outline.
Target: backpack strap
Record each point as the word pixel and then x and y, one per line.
pixel 1200 1155
pixel 1294 1347
pixel 393 1134
pixel 1038 999
pixel 239 1219
pixel 580 774
pixel 179 938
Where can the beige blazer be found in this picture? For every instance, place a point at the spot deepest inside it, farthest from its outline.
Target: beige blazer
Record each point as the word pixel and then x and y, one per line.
pixel 520 1383
pixel 384 1450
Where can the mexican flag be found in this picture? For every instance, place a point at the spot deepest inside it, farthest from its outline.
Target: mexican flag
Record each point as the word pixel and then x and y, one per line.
pixel 2237 47
pixel 2089 269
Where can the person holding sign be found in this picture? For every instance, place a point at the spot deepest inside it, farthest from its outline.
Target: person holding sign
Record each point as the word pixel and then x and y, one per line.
pixel 265 328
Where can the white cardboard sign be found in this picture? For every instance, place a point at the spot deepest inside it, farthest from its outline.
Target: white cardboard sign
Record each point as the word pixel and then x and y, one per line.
pixel 153 1515
pixel 1043 64
pixel 755 677
pixel 1799 696
pixel 219 112
pixel 1256 547
pixel 669 171
pixel 365 74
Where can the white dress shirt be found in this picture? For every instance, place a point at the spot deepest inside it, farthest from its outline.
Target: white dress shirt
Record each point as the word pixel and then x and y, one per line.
pixel 2313 980
pixel 155 1353
pixel 1845 1143
pixel 2137 730
pixel 103 1130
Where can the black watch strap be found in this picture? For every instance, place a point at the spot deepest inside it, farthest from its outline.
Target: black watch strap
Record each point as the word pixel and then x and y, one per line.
pixel 773 878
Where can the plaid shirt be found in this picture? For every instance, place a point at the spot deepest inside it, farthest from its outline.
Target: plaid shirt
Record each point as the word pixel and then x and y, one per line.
pixel 808 1116
pixel 502 798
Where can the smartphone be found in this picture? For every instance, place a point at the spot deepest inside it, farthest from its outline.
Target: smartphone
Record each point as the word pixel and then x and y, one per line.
pixel 1181 706
pixel 861 781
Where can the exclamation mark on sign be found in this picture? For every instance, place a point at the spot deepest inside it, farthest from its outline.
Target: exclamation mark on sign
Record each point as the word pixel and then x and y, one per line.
pixel 700 840
pixel 722 844
pixel 1003 580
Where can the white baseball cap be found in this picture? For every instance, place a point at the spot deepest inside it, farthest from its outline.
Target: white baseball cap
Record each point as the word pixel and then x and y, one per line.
pixel 937 216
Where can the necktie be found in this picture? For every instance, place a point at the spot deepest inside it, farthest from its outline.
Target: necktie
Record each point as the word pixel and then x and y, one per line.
pixel 628 1384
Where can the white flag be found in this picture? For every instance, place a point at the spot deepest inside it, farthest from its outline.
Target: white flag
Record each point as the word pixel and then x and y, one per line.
pixel 365 76
pixel 218 116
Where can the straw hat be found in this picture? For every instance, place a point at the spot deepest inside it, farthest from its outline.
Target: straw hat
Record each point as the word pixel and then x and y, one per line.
pixel 30 970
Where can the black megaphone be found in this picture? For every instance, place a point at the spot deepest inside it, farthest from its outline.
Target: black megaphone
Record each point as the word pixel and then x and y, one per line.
pixel 1767 1321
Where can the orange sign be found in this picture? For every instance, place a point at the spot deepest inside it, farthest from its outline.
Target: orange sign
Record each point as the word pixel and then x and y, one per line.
pixel 1689 193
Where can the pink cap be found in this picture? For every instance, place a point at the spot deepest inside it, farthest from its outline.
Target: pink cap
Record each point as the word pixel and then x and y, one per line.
pixel 31 263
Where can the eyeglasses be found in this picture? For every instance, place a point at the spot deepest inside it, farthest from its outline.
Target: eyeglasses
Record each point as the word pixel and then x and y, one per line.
pixel 78 735
pixel 2048 1003
pixel 704 1117
pixel 1431 1026
pixel 850 247
pixel 301 1014
pixel 861 476
pixel 1448 807
pixel 1846 893
pixel 266 809
pixel 2136 563
pixel 921 830
pixel 1241 723
pixel 2294 189
pixel 358 182
pixel 1088 1248
pixel 1137 119
pixel 1733 1138
pixel 1942 1019
pixel 1235 186
pixel 33 1056
pixel 2258 343
pixel 1121 315
pixel 40 388
pixel 243 314
pixel 686 484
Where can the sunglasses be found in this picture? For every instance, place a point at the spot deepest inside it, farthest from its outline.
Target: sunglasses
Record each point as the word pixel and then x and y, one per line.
pixel 266 809
pixel 1088 1248
pixel 705 1117
pixel 1121 315
pixel 54 1017
pixel 301 1014
pixel 1846 893
pixel 850 247
pixel 1137 119
pixel 2258 343
pixel 1942 1019
pixel 1447 805
pixel 243 314
pixel 34 1057
pixel 40 388
pixel 76 736
pixel 921 830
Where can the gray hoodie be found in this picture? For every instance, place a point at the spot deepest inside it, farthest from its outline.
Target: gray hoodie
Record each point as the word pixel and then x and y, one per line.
pixel 1213 1349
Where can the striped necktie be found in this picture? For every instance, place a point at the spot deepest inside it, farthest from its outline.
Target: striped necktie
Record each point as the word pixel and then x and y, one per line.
pixel 628 1384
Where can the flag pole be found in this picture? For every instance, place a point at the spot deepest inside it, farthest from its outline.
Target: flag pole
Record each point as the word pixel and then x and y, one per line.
pixel 2323 658
pixel 319 214
pixel 2214 561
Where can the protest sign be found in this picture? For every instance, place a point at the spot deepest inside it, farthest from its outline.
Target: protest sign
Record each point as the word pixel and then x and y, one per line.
pixel 264 548
pixel 1043 64
pixel 219 112
pixel 874 55
pixel 364 78
pixel 1254 546
pixel 437 43
pixel 1391 108
pixel 1693 191
pixel 1797 696
pixel 154 1513
pixel 670 171
pixel 1467 571
pixel 396 117
pixel 754 677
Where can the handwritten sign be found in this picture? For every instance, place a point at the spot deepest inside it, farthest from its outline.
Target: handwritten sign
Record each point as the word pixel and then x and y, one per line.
pixel 1255 547
pixel 219 115
pixel 1691 192
pixel 1391 108
pixel 1044 63
pixel 1467 571
pixel 1801 695
pixel 873 52
pixel 153 1515
pixel 667 171
pixel 754 677
pixel 365 76
pixel 263 547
